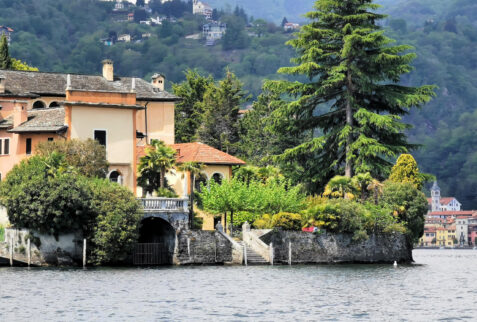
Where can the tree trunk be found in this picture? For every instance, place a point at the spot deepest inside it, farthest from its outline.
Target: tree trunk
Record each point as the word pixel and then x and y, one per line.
pixel 191 206
pixel 349 121
pixel 163 174
pixel 232 223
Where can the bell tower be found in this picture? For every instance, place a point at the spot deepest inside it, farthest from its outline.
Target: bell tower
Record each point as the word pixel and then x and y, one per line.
pixel 435 197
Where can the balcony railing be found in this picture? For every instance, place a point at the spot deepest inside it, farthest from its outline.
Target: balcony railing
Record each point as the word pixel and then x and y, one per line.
pixel 165 204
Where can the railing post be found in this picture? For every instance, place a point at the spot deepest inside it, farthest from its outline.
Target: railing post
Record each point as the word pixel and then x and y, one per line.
pixel 271 254
pixel 289 253
pixel 29 251
pixel 11 250
pixel 84 253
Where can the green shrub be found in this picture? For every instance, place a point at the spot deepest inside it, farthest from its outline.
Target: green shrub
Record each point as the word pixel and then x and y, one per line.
pixel 115 229
pixel 409 204
pixel 2 233
pixel 284 220
pixel 166 193
pixel 287 221
pixel 346 216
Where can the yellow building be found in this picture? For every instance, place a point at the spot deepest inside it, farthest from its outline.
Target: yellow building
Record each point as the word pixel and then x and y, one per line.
pixel 445 236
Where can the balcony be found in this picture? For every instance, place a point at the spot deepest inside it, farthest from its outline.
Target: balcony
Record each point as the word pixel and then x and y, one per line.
pixel 165 204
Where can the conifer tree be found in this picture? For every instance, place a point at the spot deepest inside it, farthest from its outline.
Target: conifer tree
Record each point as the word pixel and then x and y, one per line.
pixel 221 105
pixel 5 60
pixel 352 103
pixel 189 112
pixel 406 170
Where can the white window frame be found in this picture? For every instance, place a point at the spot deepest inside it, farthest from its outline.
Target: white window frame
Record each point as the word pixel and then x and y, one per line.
pixel 2 146
pixel 107 143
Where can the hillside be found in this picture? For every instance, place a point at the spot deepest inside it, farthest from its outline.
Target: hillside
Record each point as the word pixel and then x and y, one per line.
pixel 65 36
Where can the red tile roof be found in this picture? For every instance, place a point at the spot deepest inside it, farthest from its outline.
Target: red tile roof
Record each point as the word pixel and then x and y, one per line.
pixel 453 213
pixel 443 201
pixel 202 153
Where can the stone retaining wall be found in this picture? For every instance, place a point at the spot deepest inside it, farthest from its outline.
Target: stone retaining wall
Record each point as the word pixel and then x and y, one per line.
pixel 206 247
pixel 310 248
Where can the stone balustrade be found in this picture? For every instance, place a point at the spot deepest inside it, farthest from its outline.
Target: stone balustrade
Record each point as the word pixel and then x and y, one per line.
pixel 165 204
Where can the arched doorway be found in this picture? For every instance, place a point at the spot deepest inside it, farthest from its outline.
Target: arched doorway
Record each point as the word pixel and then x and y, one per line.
pixel 157 241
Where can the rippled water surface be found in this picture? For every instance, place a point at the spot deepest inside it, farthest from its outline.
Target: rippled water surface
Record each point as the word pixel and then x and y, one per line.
pixel 441 285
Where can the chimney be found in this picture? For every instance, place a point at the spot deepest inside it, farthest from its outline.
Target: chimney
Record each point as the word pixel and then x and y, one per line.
pixel 158 81
pixel 20 114
pixel 2 84
pixel 108 70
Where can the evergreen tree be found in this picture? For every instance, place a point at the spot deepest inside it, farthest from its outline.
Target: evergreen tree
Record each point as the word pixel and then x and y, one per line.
pixel 284 21
pixel 5 60
pixel 353 73
pixel 221 105
pixel 406 171
pixel 189 112
pixel 258 138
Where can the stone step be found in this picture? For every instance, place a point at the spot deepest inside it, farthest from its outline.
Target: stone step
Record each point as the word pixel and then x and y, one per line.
pixel 253 258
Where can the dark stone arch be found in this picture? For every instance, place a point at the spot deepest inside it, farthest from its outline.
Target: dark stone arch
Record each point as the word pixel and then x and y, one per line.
pixel 54 104
pixel 39 104
pixel 158 237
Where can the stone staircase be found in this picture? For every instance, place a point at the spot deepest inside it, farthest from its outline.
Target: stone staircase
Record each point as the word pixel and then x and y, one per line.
pixel 253 258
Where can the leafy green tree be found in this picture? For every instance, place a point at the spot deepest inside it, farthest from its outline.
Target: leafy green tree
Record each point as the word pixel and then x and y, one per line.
pixel 409 205
pixel 5 60
pixel 38 195
pixel 19 65
pixel 235 36
pixel 406 170
pixel 189 112
pixel 88 157
pixel 352 101
pixel 116 225
pixel 221 105
pixel 153 167
pixel 259 27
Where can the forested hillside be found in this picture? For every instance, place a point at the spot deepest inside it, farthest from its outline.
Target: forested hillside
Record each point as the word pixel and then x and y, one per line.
pixel 65 36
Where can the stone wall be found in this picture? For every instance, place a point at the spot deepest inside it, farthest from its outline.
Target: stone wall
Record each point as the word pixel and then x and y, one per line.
pixel 3 217
pixel 207 248
pixel 64 251
pixel 308 248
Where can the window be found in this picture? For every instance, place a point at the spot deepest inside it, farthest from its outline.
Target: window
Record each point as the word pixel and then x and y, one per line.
pixel 50 139
pixel 4 146
pixel 115 176
pixel 28 146
pixel 100 136
pixel 54 104
pixel 217 177
pixel 39 104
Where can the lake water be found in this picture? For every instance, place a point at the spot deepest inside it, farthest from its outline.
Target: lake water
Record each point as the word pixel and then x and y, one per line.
pixel 442 285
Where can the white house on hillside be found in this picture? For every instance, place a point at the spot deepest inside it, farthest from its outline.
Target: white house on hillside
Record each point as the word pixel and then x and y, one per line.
pixel 202 8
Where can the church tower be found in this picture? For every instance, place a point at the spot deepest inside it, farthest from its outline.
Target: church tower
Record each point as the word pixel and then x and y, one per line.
pixel 436 197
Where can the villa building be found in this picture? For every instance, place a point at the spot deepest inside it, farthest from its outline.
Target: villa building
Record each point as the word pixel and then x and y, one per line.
pixel 122 113
pixel 7 32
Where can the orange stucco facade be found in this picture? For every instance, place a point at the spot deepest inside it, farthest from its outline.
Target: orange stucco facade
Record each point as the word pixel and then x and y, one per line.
pixel 118 114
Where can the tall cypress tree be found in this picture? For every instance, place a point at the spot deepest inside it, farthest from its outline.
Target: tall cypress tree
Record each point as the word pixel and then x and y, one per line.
pixel 5 60
pixel 352 103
